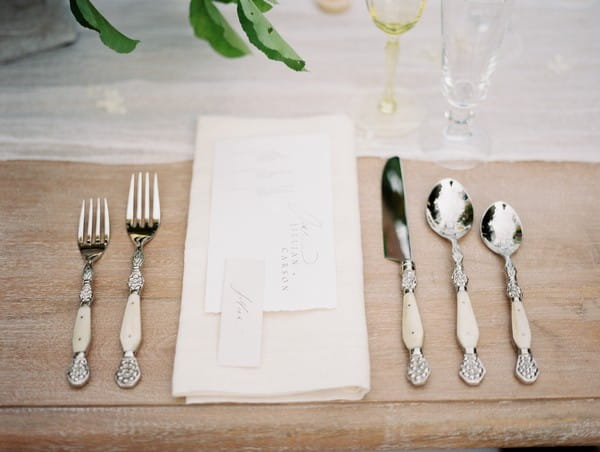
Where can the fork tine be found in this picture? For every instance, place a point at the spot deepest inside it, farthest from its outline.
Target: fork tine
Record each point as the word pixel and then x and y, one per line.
pixel 138 200
pixel 155 202
pixel 106 223
pixel 88 237
pixel 98 220
pixel 129 215
pixel 147 199
pixel 81 223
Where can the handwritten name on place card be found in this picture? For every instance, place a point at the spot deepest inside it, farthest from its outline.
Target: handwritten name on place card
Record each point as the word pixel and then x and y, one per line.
pixel 240 330
pixel 272 201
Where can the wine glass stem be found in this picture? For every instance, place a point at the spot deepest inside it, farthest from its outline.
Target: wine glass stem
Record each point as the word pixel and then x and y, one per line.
pixel 387 104
pixel 459 122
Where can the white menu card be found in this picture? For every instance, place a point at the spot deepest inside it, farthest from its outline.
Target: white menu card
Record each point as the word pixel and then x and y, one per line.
pixel 272 201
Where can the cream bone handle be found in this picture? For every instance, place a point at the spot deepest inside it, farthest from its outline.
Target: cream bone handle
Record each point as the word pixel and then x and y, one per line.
pixel 526 369
pixel 82 331
pixel 78 372
pixel 412 327
pixel 131 327
pixel 129 373
pixel 467 330
pixel 471 369
pixel 521 332
pixel 418 370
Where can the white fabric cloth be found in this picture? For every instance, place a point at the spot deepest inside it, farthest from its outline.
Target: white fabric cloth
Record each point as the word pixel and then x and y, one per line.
pixel 86 103
pixel 314 355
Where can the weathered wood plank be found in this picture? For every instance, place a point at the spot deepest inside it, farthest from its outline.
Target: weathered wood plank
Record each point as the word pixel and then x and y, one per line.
pixel 341 426
pixel 559 270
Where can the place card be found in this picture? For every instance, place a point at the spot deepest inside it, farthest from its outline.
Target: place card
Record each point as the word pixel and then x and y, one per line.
pixel 240 330
pixel 271 200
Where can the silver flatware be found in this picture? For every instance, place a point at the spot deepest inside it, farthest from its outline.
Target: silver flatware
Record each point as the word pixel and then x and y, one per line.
pixel 93 237
pixel 449 213
pixel 396 246
pixel 141 227
pixel 502 232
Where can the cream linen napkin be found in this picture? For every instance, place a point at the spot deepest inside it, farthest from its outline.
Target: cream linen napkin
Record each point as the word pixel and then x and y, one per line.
pixel 314 355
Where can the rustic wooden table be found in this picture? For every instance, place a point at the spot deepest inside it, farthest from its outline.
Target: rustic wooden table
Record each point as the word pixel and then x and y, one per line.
pixel 559 270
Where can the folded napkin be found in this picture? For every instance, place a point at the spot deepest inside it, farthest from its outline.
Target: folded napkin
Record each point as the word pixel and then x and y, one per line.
pixel 312 355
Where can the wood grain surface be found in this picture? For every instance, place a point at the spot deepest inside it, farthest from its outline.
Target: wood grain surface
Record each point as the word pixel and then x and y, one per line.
pixel 559 271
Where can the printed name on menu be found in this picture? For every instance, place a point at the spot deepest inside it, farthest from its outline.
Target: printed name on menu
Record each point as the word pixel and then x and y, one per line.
pixel 302 248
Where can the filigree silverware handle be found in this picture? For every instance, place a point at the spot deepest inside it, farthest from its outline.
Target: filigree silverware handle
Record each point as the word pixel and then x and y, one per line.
pixel 472 369
pixel 526 369
pixel 129 373
pixel 78 372
pixel 418 370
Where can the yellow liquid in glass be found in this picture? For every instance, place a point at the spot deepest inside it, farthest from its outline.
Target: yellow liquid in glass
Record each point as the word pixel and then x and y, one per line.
pixel 395 26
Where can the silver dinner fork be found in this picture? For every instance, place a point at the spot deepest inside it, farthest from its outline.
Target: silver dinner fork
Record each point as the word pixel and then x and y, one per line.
pixel 93 238
pixel 141 228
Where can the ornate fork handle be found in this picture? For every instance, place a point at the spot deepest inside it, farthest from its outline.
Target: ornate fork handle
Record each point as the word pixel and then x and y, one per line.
pixel 129 373
pixel 472 369
pixel 526 368
pixel 78 372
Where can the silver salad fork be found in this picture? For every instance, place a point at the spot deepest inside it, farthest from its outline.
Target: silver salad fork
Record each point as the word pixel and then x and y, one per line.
pixel 93 238
pixel 141 228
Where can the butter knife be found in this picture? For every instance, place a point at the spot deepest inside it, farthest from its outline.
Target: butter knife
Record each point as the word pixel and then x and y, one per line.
pixel 396 245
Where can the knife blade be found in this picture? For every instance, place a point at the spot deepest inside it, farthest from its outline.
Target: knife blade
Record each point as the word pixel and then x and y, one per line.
pixel 396 242
pixel 396 245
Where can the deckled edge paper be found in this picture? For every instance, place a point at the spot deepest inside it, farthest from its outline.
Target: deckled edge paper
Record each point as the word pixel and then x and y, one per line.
pixel 337 366
pixel 271 199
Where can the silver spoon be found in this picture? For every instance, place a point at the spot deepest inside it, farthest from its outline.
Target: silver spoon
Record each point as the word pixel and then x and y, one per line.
pixel 501 231
pixel 450 214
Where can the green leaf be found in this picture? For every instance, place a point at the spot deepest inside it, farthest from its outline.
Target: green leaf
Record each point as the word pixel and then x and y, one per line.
pixel 263 5
pixel 262 34
pixel 209 24
pixel 88 16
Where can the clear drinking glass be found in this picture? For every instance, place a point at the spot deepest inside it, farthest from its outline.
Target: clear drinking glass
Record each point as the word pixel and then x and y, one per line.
pixel 391 113
pixel 472 32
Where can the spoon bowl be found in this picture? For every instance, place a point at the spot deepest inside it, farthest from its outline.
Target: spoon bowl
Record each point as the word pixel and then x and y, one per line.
pixel 501 229
pixel 449 213
pixel 502 233
pixel 449 209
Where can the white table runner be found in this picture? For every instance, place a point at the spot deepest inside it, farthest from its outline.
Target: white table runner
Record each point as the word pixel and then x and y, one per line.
pixel 87 103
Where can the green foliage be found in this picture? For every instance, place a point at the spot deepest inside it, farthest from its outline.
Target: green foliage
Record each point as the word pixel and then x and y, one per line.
pixel 208 24
pixel 261 33
pixel 88 16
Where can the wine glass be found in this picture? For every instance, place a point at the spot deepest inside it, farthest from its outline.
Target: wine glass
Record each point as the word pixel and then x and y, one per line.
pixel 389 114
pixel 472 32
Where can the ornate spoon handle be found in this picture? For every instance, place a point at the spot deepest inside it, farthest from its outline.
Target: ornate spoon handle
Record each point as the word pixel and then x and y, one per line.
pixel 412 328
pixel 472 369
pixel 129 373
pixel 526 369
pixel 78 372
